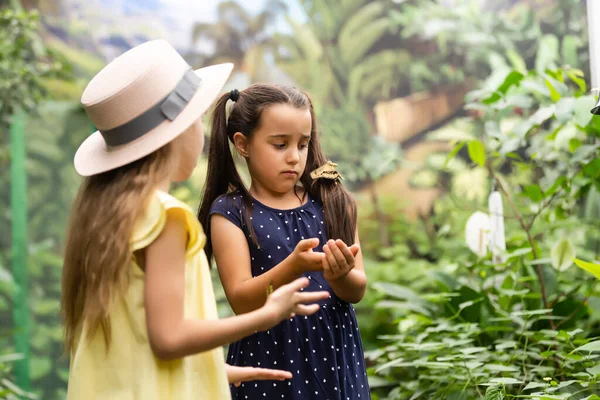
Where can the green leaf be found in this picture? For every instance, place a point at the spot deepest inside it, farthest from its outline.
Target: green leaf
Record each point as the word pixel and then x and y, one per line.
pixel 560 182
pixel 477 152
pixel 494 393
pixel 562 255
pixel 473 350
pixel 564 109
pixel 535 385
pixel 6 358
pixel 513 78
pixel 595 370
pixel 397 291
pixel 582 108
pixel 403 305
pixel 517 61
pixel 577 76
pixel 453 153
pixel 591 347
pixel 506 381
pixel 538 118
pixel 592 169
pixel 554 94
pixel 589 267
pixel 534 192
pixel 500 368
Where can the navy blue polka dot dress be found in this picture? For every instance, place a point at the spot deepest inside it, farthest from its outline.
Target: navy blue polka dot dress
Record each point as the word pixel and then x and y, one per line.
pixel 323 351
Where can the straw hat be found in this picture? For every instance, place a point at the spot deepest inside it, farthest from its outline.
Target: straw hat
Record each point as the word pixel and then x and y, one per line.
pixel 141 101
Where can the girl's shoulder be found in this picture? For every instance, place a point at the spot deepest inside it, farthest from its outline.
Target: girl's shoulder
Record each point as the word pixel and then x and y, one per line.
pixel 149 226
pixel 230 206
pixel 232 202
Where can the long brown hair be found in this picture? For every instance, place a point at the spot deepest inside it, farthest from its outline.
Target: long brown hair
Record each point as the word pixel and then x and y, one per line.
pixel 98 253
pixel 222 176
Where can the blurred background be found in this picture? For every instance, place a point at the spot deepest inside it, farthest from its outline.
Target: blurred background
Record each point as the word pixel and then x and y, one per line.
pixel 462 127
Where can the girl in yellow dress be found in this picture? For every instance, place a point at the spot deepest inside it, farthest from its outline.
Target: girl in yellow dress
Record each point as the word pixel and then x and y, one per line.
pixel 138 305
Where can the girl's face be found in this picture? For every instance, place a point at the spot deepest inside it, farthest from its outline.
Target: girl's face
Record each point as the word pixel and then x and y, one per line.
pixel 276 152
pixel 190 145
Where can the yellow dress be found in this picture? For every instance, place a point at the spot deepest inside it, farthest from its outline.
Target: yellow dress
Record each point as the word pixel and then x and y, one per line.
pixel 130 370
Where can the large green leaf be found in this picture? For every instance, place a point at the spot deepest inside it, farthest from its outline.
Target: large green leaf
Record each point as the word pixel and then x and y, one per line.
pixel 582 108
pixel 591 347
pixel 589 267
pixel 476 152
pixel 534 192
pixel 592 169
pixel 562 254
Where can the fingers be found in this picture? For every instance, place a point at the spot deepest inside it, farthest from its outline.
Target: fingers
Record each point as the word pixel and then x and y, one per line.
pixel 337 253
pixel 305 310
pixel 348 256
pixel 314 259
pixel 326 268
pixel 354 249
pixel 307 244
pixel 331 260
pixel 247 374
pixel 264 374
pixel 296 285
pixel 310 297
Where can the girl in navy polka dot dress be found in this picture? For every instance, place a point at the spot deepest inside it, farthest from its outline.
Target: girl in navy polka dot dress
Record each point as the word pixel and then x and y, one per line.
pixel 289 223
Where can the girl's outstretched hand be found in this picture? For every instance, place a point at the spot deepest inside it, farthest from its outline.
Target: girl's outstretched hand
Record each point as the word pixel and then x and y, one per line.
pixel 304 259
pixel 339 259
pixel 287 301
pixel 237 375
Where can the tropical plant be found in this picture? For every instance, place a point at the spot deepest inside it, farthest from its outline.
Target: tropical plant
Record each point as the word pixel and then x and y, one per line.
pixel 465 33
pixel 469 327
pixel 344 54
pixel 238 36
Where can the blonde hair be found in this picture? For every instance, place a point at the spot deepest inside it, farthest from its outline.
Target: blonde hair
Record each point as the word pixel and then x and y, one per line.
pixel 98 252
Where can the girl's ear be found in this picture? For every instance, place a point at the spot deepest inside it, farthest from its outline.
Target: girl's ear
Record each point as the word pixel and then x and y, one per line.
pixel 240 141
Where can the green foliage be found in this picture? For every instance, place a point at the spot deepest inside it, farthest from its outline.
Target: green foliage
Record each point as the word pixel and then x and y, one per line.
pixel 468 33
pixel 337 55
pixel 471 328
pixel 8 389
pixel 23 62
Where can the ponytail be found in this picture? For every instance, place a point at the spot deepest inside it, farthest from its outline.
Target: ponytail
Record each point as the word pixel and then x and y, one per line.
pixel 222 175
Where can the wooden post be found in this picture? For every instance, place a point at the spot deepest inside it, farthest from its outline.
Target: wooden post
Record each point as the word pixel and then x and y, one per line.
pixel 18 206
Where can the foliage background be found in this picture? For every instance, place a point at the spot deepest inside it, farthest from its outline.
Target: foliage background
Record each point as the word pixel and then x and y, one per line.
pixel 426 105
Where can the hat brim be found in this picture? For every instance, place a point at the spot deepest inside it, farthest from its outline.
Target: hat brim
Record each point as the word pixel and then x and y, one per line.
pixel 94 157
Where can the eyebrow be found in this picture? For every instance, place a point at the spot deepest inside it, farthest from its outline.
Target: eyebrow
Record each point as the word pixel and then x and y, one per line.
pixel 285 135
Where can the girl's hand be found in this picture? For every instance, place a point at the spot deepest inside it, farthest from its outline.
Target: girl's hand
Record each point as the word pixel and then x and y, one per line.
pixel 287 301
pixel 237 375
pixel 304 259
pixel 339 259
